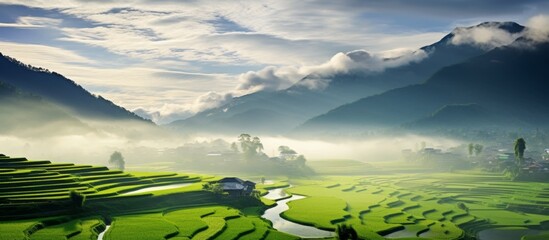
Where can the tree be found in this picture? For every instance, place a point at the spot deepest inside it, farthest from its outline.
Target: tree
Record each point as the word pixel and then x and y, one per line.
pixel 250 146
pixel 478 149
pixel 520 146
pixel 286 150
pixel 244 140
pixel 257 145
pixel 77 198
pixel 300 160
pixel 213 187
pixel 345 232
pixel 471 148
pixel 117 160
pixel 287 153
pixel 234 147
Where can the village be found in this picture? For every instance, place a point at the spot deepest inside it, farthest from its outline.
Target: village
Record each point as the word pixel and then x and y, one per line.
pixel 516 162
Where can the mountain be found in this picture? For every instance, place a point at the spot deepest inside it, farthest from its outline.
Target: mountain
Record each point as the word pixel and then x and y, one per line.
pixel 280 111
pixel 24 114
pixel 60 91
pixel 509 81
pixel 462 116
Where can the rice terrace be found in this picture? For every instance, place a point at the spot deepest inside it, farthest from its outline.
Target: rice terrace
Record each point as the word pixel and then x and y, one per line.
pixel 275 120
pixel 37 204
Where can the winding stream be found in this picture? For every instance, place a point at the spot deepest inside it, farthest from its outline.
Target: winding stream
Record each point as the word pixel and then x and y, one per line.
pixel 283 225
pixel 272 214
pixel 101 234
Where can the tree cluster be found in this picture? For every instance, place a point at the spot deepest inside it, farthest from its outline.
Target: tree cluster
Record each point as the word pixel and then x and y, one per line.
pixel 117 160
pixel 474 149
pixel 346 232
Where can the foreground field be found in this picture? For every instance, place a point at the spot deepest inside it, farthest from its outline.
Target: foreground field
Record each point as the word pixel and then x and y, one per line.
pixel 35 204
pixel 430 206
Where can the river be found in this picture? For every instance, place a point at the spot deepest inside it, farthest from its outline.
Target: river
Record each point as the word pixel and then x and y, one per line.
pixel 283 225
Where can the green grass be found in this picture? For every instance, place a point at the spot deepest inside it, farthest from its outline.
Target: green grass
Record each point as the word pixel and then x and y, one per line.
pixel 327 211
pixel 340 167
pixel 215 226
pixel 60 231
pixel 424 204
pixel 189 221
pixel 15 230
pixel 377 205
pixel 143 226
pixel 89 229
pixel 236 227
pixel 38 180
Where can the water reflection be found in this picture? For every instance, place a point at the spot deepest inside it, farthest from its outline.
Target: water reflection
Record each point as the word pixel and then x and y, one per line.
pixel 150 189
pixel 100 236
pixel 507 233
pixel 283 225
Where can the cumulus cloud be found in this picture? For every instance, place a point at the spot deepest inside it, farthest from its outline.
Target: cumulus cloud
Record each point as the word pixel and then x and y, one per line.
pixel 293 38
pixel 486 36
pixel 538 28
pixel 361 60
pixel 275 78
pixel 170 112
pixel 211 100
pixel 270 78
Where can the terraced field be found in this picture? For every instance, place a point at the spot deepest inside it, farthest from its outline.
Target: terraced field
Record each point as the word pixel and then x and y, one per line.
pixel 22 180
pixel 35 204
pixel 432 206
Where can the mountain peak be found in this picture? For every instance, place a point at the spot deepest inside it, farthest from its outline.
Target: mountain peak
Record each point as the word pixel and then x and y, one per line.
pixel 511 27
pixel 486 35
pixel 359 55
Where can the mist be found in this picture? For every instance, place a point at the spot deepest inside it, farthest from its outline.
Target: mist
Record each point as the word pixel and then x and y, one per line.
pixel 147 147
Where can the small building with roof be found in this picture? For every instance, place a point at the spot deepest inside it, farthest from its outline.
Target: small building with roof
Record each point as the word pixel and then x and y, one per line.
pixel 236 187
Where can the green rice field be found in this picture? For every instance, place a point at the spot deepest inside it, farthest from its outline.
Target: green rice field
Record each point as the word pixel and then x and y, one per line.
pixel 35 204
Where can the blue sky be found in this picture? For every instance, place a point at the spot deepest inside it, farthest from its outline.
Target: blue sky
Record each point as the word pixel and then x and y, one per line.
pixel 170 59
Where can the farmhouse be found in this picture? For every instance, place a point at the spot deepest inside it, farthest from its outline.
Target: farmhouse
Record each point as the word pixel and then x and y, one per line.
pixel 236 187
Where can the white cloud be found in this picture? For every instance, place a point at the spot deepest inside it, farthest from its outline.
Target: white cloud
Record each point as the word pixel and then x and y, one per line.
pixel 211 100
pixel 42 56
pixel 486 35
pixel 268 79
pixel 33 22
pixel 39 21
pixel 165 114
pixel 292 38
pixel 538 28
pixel 170 112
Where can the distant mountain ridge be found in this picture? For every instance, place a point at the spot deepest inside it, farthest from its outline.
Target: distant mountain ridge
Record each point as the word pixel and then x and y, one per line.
pixel 25 114
pixel 509 81
pixel 281 111
pixel 61 91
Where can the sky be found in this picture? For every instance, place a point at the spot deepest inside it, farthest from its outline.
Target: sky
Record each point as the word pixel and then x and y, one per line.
pixel 168 59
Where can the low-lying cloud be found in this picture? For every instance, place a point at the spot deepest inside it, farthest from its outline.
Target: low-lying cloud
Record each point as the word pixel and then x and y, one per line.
pixel 170 112
pixel 538 28
pixel 487 36
pixel 270 78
